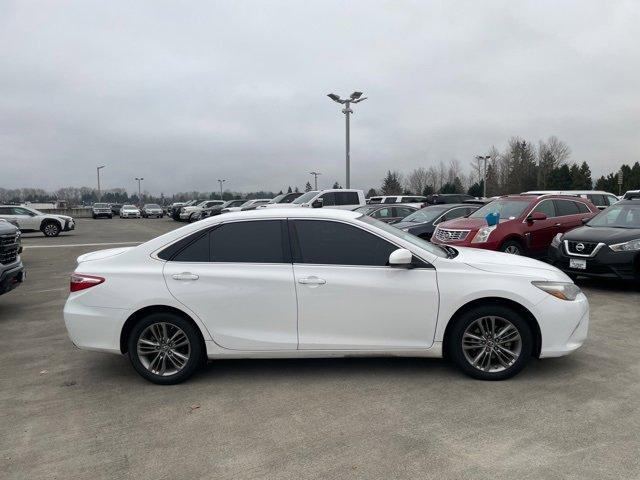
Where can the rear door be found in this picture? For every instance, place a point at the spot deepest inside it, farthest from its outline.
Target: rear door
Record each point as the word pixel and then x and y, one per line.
pixel 238 279
pixel 348 299
pixel 568 214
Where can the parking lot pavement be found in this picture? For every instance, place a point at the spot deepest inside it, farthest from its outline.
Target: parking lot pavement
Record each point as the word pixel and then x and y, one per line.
pixel 67 413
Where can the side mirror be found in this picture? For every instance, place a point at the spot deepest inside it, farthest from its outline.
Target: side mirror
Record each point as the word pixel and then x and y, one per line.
pixel 400 258
pixel 537 216
pixel 317 203
pixel 585 221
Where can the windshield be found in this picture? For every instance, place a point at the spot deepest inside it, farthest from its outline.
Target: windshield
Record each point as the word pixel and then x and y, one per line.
pixel 508 209
pixel 425 215
pixel 366 210
pixel 236 203
pixel 618 216
pixel 152 205
pixel 417 241
pixel 128 207
pixel 100 205
pixel 305 198
pixel 277 198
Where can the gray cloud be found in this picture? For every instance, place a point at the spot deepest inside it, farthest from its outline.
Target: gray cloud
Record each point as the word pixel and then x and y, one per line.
pixel 184 93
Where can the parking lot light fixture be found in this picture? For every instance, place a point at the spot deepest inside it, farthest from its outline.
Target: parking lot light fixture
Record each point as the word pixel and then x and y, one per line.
pixel 139 190
pixel 356 97
pixel 315 178
pixel 221 181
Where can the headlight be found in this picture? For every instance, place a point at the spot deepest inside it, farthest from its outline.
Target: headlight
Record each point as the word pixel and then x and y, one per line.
pixel 561 290
pixel 630 246
pixel 483 234
pixel 556 240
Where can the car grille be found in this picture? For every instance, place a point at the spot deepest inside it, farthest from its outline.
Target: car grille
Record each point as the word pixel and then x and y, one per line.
pixel 580 248
pixel 8 239
pixel 9 246
pixel 450 235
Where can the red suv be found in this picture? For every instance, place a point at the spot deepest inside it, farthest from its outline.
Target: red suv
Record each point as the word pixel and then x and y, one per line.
pixel 527 224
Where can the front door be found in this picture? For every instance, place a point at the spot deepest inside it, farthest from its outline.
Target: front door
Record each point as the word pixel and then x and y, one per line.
pixel 541 232
pixel 238 279
pixel 348 299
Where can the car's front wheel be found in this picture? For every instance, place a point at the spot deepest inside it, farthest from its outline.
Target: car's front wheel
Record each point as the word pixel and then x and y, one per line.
pixel 490 342
pixel 165 348
pixel 51 229
pixel 512 246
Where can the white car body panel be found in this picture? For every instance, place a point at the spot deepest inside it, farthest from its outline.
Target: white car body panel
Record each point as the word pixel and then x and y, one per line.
pixel 247 310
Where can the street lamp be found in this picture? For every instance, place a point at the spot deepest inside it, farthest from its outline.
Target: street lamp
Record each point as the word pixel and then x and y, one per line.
pixel 139 189
pixel 98 171
pixel 221 181
pixel 356 97
pixel 315 178
pixel 484 175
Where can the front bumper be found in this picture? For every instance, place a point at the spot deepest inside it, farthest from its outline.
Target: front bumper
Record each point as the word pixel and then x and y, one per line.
pixel 563 325
pixel 69 225
pixel 153 214
pixel 185 215
pixel 102 213
pixel 129 215
pixel 605 264
pixel 12 277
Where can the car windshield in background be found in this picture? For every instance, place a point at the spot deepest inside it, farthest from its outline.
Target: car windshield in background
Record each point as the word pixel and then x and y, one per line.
pixel 618 216
pixel 305 198
pixel 417 241
pixel 366 210
pixel 129 207
pixel 508 209
pixel 152 205
pixel 101 205
pixel 278 198
pixel 424 215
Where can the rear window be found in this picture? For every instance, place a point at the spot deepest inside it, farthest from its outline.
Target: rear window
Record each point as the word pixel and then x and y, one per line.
pixel 346 198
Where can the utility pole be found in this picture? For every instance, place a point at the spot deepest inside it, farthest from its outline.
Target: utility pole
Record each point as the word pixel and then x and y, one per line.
pixel 139 190
pixel 354 98
pixel 221 181
pixel 484 174
pixel 98 171
pixel 315 178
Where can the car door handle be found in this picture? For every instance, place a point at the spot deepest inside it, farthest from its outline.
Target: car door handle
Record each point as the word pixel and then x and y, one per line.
pixel 558 224
pixel 312 281
pixel 185 276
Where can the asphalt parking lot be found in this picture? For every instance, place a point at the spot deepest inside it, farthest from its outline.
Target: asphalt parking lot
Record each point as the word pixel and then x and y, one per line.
pixel 68 413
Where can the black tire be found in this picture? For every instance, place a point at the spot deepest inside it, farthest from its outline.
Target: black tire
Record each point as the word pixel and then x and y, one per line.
pixel 512 247
pixel 455 351
pixel 94 217
pixel 196 356
pixel 51 229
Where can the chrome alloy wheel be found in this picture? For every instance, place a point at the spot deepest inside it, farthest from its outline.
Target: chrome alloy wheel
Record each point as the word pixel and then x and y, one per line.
pixel 491 344
pixel 50 230
pixel 512 249
pixel 163 349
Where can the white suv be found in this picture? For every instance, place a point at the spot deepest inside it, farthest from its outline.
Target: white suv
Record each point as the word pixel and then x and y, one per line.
pixel 334 198
pixel 31 220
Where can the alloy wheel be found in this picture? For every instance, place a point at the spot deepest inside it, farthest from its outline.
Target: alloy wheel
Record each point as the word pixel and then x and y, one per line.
pixel 163 349
pixel 51 230
pixel 491 344
pixel 512 249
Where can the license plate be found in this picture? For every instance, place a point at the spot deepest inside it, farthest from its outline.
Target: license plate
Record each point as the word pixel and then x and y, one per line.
pixel 578 263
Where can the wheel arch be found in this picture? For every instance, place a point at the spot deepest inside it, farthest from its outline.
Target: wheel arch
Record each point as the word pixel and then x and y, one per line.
pixel 148 310
pixel 505 302
pixel 47 220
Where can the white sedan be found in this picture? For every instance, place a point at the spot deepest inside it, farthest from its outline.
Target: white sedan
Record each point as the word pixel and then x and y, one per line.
pixel 277 283
pixel 129 211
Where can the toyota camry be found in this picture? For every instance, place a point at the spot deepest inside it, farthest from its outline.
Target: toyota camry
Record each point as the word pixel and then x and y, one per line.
pixel 275 283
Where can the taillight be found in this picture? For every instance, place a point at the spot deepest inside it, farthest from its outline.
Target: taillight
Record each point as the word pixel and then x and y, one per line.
pixel 80 281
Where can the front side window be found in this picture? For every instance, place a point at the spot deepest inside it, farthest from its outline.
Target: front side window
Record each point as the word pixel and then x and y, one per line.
pixel 454 213
pixel 390 200
pixel 328 199
pixel 611 199
pixel 403 212
pixel 424 215
pixel 383 213
pixel 325 242
pixel 597 199
pixel 546 207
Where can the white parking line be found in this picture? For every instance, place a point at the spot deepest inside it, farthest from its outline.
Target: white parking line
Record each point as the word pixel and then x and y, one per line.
pixel 81 245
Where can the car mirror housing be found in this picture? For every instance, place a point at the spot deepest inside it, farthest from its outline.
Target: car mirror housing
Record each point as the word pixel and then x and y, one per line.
pixel 585 221
pixel 317 203
pixel 400 258
pixel 537 216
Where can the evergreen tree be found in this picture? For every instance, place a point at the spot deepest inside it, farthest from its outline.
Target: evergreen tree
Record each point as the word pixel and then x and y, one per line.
pixel 391 184
pixel 428 190
pixel 372 193
pixel 307 187
pixel 336 185
pixel 476 190
pixel 289 190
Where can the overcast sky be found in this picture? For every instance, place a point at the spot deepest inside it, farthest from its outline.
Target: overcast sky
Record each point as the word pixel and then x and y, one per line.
pixel 186 92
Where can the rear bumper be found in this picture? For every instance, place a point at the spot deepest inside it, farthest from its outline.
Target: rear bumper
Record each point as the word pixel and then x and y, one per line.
pixel 605 264
pixel 94 328
pixel 12 277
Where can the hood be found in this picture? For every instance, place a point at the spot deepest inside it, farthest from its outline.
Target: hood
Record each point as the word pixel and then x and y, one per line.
pixel 63 217
pixel 607 235
pixel 100 254
pixel 498 262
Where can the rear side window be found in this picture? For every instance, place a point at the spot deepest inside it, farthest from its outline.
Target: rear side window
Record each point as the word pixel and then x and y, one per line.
pixel 347 198
pixel 248 242
pixel 566 207
pixel 197 251
pixel 333 243
pixel 582 208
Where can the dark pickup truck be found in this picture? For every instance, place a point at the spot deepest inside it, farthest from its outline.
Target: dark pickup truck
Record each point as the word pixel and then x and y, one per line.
pixel 11 269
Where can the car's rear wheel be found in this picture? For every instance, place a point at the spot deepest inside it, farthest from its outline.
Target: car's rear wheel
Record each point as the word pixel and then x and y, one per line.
pixel 165 348
pixel 491 342
pixel 512 246
pixel 51 229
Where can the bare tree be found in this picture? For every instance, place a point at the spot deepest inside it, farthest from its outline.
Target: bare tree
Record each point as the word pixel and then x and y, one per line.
pixel 417 179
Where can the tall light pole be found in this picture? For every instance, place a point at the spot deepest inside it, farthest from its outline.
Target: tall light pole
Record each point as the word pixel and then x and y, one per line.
pixel 356 97
pixel 221 181
pixel 315 178
pixel 484 175
pixel 98 171
pixel 139 189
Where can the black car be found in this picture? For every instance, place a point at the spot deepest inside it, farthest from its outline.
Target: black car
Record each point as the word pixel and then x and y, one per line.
pixel 442 198
pixel 607 246
pixel 212 211
pixel 285 197
pixel 422 223
pixel 386 213
pixel 11 269
pixel 115 208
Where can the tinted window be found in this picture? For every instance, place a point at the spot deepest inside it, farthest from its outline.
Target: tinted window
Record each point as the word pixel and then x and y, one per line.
pixel 346 198
pixel 403 212
pixel 611 199
pixel 6 211
pixel 256 242
pixel 582 208
pixel 197 251
pixel 328 199
pixel 386 212
pixel 566 207
pixel 333 243
pixel 455 213
pixel 390 200
pixel 597 199
pixel 546 207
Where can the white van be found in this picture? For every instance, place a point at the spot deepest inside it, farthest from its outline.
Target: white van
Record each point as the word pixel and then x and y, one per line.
pixel 599 198
pixel 334 198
